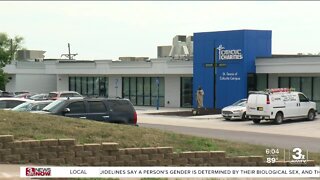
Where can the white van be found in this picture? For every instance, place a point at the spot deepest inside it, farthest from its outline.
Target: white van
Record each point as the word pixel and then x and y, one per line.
pixel 279 104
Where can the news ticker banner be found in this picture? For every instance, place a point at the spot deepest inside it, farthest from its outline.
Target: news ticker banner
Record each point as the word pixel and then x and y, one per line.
pixel 169 172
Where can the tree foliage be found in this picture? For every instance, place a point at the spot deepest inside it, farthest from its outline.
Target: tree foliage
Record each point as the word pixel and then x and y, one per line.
pixel 8 49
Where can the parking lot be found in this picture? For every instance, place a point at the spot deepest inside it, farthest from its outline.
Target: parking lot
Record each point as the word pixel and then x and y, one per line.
pixel 289 127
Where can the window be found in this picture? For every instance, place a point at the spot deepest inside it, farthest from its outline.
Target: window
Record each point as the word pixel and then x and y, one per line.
pixel 262 82
pixel 89 86
pixel 119 106
pixel 143 91
pixel 186 91
pixel 77 107
pixel 12 104
pixel 284 82
pixel 295 83
pixel 97 107
pixel 302 98
pixel 66 95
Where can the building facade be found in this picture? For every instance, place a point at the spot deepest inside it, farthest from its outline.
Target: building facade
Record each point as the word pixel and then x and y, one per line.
pixel 226 64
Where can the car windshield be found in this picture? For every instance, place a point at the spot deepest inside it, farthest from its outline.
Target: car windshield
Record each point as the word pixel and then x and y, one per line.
pixel 23 107
pixel 241 102
pixel 52 107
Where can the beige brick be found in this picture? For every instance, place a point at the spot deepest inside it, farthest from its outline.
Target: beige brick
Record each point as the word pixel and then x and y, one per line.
pixel 14 144
pixel 217 154
pixel 280 163
pixel 56 161
pixel 70 154
pixel 48 155
pixel 5 152
pixel 40 149
pixel 78 148
pixel 164 150
pixel 1 145
pixel 255 159
pixel 108 158
pixel 40 161
pixel 31 156
pixel 241 159
pixel 110 146
pixel 73 160
pixel 133 151
pixel 83 153
pixel 156 156
pixel 49 142
pixel 12 157
pixel 219 164
pixel 202 154
pixel 141 157
pixel 117 152
pixel 21 150
pixel 234 164
pixel 180 161
pixel 149 150
pixel 148 163
pixel 124 157
pixel 91 160
pixel 311 163
pixel 30 143
pixel 57 148
pixel 195 161
pixel 132 163
pixel 67 142
pixel 187 155
pixel 165 162
pixel 212 160
pixel 6 138
pixel 249 164
pixel 171 155
pixel 92 147
pixel 116 163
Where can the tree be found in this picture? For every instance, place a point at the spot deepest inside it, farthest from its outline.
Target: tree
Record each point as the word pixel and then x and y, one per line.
pixel 8 49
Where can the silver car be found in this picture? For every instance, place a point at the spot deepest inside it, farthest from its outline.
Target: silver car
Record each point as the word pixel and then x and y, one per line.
pixel 235 111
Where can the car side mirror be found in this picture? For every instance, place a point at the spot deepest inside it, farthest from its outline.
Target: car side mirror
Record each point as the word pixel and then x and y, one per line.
pixel 66 110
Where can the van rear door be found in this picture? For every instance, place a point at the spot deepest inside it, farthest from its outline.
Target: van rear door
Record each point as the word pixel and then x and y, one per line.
pixel 257 104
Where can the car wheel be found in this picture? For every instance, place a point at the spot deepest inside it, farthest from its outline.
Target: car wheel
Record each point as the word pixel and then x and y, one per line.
pixel 244 116
pixel 279 118
pixel 256 121
pixel 311 115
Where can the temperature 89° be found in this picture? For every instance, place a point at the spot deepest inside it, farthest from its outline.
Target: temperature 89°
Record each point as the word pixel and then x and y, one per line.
pixel 272 151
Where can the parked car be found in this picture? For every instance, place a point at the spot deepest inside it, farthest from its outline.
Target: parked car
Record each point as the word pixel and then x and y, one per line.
pixel 6 94
pixel 24 95
pixel 235 111
pixel 279 104
pixel 40 97
pixel 21 92
pixel 64 95
pixel 9 103
pixel 99 109
pixel 32 106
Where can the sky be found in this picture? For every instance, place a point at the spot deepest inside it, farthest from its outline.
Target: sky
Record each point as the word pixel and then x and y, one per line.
pixel 110 29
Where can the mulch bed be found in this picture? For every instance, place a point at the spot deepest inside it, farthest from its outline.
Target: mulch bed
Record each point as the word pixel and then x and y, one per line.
pixel 189 113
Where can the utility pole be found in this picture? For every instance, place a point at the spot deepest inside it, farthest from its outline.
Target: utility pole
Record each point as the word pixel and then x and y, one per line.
pixel 69 55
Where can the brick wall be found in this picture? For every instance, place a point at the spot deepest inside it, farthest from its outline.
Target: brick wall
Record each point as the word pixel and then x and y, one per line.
pixel 67 152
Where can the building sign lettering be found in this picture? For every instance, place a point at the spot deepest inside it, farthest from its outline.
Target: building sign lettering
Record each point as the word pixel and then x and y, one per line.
pixel 229 54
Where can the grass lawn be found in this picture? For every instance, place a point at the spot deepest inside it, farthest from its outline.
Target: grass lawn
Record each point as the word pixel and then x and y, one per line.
pixel 36 126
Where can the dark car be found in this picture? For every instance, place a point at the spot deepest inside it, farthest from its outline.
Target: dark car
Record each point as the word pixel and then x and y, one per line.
pixel 99 109
pixel 6 94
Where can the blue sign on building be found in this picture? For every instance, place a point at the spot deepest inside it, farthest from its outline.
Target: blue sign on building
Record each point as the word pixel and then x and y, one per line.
pixel 222 62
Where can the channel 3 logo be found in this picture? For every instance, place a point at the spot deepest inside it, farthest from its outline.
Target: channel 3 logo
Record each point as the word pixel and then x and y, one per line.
pixel 298 156
pixel 30 171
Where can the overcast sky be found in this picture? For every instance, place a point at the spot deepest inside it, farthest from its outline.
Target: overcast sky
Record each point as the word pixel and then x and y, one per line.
pixel 107 30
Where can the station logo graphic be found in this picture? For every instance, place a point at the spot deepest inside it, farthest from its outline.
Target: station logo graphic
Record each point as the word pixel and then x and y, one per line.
pixel 233 54
pixel 298 156
pixel 30 171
